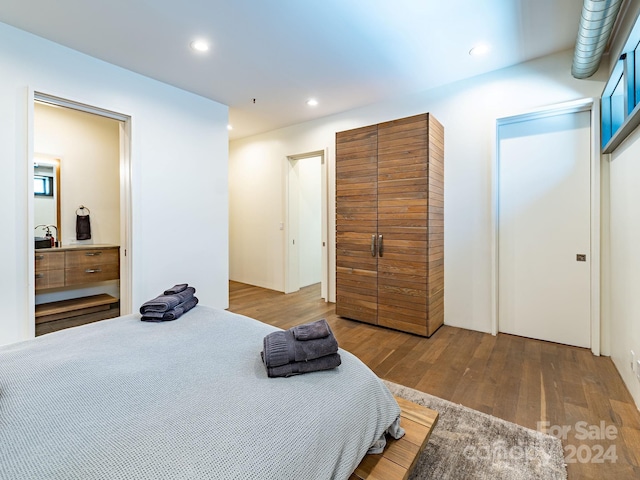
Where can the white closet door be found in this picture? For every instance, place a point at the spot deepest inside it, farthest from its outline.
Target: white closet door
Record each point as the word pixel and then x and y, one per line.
pixel 544 228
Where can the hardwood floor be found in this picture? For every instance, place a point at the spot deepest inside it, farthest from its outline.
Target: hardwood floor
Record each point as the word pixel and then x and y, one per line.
pixel 524 381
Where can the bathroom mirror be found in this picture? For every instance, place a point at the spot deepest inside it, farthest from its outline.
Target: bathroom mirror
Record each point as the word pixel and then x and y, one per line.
pixel 46 193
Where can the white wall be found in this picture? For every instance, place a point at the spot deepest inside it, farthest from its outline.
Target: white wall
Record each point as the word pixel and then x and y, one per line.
pixel 468 111
pixel 625 263
pixel 88 147
pixel 179 173
pixel 621 232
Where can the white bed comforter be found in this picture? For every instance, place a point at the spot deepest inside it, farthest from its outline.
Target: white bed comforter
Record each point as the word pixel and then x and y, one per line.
pixel 188 399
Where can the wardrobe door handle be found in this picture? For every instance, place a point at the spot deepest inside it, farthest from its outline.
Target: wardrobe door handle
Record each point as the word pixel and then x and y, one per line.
pixel 373 245
pixel 380 248
pixel 92 270
pixel 39 275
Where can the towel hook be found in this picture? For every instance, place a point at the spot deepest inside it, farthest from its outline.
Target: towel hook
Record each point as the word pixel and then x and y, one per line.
pixel 81 208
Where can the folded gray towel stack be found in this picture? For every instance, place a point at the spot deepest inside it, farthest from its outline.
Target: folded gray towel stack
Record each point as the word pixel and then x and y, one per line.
pixel 311 331
pixel 302 349
pixel 171 305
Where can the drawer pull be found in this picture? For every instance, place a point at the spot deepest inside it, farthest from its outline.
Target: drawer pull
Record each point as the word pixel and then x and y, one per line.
pixel 39 275
pixel 93 270
pixel 39 257
pixel 92 254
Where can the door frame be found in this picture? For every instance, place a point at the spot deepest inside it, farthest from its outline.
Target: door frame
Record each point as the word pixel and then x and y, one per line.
pixel 291 277
pixel 125 198
pixel 585 105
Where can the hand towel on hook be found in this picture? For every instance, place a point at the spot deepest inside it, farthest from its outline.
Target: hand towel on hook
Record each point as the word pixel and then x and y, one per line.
pixel 83 223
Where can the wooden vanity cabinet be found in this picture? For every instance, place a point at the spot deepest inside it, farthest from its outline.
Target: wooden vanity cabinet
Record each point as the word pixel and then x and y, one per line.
pixel 75 267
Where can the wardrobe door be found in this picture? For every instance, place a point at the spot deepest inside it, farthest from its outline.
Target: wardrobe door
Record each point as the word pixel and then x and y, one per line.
pixel 403 190
pixel 356 224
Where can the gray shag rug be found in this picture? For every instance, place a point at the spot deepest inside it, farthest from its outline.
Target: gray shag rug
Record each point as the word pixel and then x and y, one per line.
pixel 467 444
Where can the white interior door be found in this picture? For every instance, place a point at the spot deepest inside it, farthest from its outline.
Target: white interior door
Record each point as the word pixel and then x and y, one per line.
pixel 310 221
pixel 544 251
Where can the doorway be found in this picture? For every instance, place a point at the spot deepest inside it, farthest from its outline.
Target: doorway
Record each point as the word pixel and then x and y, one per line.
pixel 306 258
pixel 546 248
pixel 76 136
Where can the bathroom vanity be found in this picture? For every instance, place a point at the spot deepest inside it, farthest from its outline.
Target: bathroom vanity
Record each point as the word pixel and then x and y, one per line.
pixel 70 268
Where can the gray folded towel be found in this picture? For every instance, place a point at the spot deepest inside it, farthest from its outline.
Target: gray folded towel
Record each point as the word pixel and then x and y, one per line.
pixel 172 314
pixel 176 289
pixel 281 348
pixel 164 303
pixel 296 368
pixel 310 331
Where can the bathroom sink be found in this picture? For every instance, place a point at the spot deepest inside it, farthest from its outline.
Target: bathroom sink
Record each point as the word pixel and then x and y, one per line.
pixel 43 242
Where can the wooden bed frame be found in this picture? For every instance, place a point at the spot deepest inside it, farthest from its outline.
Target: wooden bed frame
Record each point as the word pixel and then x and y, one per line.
pixel 400 456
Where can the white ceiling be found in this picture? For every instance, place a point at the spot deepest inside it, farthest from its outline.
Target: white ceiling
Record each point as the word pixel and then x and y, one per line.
pixel 345 53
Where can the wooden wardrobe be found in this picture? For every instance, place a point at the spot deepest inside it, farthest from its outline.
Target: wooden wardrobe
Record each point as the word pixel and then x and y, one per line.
pixel 390 224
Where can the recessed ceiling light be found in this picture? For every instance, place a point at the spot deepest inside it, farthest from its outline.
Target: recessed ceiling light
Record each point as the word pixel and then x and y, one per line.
pixel 312 102
pixel 200 45
pixel 229 127
pixel 479 50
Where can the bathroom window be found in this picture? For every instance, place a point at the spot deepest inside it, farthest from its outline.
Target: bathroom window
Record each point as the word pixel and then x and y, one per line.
pixel 43 185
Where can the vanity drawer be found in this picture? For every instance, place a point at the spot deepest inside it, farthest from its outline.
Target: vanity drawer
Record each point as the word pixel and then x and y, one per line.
pixel 49 261
pixel 91 258
pixel 92 273
pixel 49 279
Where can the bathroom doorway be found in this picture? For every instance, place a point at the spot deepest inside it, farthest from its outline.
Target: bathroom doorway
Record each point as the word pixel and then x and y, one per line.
pixel 306 254
pixel 90 148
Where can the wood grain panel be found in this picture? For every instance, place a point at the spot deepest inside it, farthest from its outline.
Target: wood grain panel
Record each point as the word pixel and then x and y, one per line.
pixel 402 145
pixel 89 317
pixel 409 209
pixel 91 273
pixel 400 166
pixel 48 261
pixel 402 287
pixel 403 134
pixel 416 283
pixel 357 134
pixel 413 278
pixel 47 312
pixel 402 124
pixel 49 279
pixel 91 257
pixel 418 195
pixel 435 247
pixel 403 155
pixel 356 222
pixel 356 177
pixel 398 324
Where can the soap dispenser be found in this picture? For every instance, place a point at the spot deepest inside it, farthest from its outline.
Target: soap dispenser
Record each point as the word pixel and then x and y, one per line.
pixel 50 237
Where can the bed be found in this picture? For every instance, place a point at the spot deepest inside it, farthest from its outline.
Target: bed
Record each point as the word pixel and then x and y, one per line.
pixel 125 399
